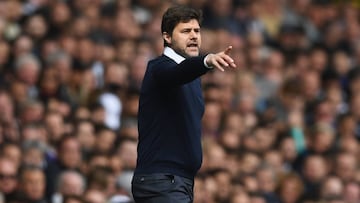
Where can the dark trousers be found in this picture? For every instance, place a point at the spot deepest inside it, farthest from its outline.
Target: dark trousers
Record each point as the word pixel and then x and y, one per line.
pixel 162 188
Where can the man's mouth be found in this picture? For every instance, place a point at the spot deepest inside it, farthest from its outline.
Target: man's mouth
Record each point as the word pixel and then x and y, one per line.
pixel 192 45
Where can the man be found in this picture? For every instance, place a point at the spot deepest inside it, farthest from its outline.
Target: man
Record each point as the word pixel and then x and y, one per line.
pixel 69 159
pixel 33 184
pixel 8 178
pixel 94 196
pixel 170 111
pixel 70 183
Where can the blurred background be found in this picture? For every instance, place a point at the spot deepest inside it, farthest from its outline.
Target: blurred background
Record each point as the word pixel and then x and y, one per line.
pixel 282 128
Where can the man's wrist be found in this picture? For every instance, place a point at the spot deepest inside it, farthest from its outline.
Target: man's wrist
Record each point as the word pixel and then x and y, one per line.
pixel 206 65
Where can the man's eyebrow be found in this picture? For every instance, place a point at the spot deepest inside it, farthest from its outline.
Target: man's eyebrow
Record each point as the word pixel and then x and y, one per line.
pixel 190 28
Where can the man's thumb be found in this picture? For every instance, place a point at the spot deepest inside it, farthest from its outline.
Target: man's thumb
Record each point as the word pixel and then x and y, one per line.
pixel 227 50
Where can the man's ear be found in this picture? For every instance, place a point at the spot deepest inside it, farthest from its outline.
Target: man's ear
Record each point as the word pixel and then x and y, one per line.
pixel 166 37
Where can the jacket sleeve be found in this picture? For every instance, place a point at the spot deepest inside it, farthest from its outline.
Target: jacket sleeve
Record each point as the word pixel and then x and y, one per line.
pixel 169 73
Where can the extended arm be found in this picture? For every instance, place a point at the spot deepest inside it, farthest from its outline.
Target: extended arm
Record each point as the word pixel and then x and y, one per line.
pixel 191 68
pixel 184 72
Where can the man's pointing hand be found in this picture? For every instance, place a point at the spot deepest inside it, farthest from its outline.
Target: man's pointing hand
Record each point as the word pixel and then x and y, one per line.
pixel 221 60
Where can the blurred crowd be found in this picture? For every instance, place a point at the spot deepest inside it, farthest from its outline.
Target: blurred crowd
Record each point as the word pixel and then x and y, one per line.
pixel 282 128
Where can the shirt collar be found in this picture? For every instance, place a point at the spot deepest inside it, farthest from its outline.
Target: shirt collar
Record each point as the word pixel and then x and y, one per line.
pixel 169 52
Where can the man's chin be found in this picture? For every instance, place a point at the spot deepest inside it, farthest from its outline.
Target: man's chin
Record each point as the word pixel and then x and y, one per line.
pixel 192 53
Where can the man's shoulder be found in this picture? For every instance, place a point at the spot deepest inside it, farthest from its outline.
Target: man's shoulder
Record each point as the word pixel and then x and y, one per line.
pixel 166 59
pixel 163 60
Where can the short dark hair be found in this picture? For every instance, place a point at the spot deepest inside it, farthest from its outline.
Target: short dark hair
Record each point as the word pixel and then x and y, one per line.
pixel 176 14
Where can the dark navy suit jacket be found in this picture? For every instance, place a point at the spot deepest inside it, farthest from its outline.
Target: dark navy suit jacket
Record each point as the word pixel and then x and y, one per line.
pixel 169 119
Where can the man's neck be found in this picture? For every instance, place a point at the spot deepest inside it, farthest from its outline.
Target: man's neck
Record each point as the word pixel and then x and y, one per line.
pixel 169 52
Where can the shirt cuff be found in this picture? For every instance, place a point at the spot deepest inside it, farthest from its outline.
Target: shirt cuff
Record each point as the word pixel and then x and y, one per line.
pixel 206 65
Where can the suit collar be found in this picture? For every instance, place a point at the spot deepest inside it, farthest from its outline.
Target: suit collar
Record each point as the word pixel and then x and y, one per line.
pixel 169 52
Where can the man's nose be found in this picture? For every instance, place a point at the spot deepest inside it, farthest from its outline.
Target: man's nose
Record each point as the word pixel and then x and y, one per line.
pixel 193 34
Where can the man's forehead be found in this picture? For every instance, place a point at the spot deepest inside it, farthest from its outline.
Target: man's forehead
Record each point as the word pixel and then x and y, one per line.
pixel 193 23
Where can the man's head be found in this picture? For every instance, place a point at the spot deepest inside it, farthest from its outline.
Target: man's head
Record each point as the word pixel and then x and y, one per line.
pixel 94 196
pixel 33 183
pixel 69 151
pixel 180 29
pixel 71 183
pixel 8 176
